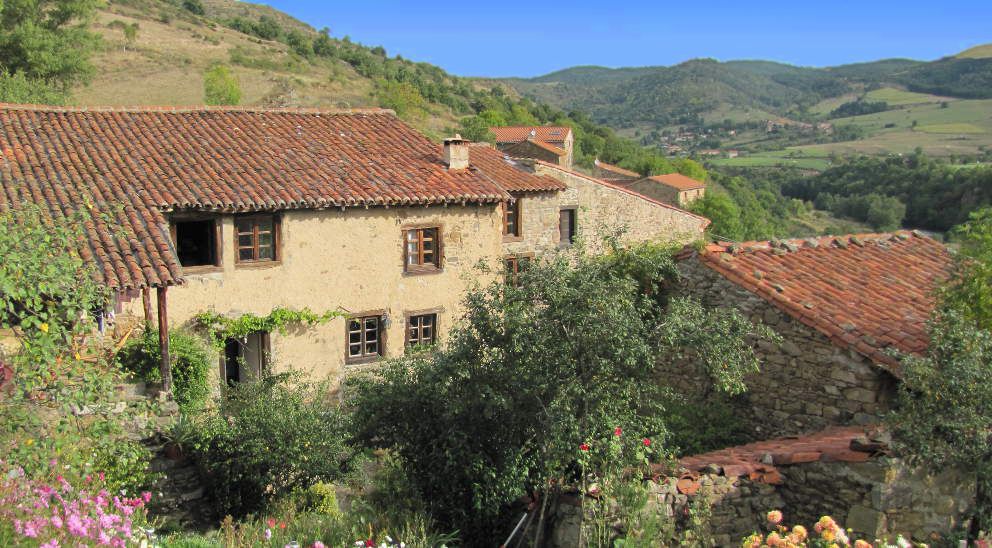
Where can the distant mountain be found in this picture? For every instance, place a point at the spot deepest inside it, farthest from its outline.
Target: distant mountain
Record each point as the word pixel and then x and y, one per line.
pixel 699 89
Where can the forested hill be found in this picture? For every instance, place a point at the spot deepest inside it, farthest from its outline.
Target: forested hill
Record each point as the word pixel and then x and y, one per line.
pixel 705 89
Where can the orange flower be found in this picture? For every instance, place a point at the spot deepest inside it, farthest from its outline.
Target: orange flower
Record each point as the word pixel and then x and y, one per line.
pixel 862 544
pixel 773 540
pixel 774 517
pixel 800 532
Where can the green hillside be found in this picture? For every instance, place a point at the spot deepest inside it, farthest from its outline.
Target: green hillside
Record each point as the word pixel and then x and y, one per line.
pixel 978 52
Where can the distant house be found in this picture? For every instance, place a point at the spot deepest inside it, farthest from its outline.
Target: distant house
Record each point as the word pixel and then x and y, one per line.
pixel 613 174
pixel 552 144
pixel 672 188
pixel 841 305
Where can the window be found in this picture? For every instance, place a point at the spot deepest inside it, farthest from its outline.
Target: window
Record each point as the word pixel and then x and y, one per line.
pixel 511 218
pixel 515 264
pixel 423 249
pixel 246 358
pixel 421 330
pixel 256 238
pixel 364 338
pixel 566 226
pixel 196 242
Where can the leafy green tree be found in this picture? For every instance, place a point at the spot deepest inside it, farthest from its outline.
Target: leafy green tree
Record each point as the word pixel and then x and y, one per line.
pixel 322 45
pixel 533 371
pixel 194 6
pixel 129 32
pixel 17 88
pixel 220 87
pixel 720 208
pixel 970 287
pixel 401 97
pixel 48 40
pixel 299 43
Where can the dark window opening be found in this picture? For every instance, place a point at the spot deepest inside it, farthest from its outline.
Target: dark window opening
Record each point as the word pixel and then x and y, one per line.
pixel 566 226
pixel 421 330
pixel 196 243
pixel 247 358
pixel 514 266
pixel 364 338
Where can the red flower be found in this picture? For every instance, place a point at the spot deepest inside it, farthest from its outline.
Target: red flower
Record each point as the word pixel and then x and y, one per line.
pixel 584 447
pixel 647 442
pixel 369 543
pixel 618 431
pixel 282 524
pixel 270 522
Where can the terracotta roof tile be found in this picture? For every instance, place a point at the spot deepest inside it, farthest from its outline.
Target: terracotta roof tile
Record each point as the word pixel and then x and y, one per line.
pixel 506 173
pixel 511 149
pixel 868 296
pixel 514 134
pixel 758 460
pixel 678 181
pixel 132 164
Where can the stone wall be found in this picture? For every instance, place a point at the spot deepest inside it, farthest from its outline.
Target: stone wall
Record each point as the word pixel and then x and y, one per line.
pixel 806 383
pixel 603 207
pixel 878 499
pixel 539 213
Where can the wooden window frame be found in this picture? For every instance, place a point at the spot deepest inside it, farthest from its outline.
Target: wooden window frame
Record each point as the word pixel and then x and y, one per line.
pixel 266 340
pixel 518 219
pixel 512 277
pixel 381 337
pixel 407 339
pixel 276 240
pixel 218 240
pixel 438 264
pixel 574 228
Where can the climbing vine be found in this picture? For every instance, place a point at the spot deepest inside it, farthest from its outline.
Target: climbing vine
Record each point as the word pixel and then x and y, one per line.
pixel 220 328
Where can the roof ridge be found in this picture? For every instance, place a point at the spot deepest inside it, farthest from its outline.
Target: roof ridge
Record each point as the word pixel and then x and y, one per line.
pixel 864 237
pixel 195 108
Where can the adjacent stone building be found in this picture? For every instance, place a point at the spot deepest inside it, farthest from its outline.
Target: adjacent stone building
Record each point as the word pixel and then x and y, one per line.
pixel 545 143
pixel 844 306
pixel 613 174
pixel 671 188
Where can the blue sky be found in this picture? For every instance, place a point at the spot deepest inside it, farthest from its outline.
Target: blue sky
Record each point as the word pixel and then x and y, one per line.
pixel 514 38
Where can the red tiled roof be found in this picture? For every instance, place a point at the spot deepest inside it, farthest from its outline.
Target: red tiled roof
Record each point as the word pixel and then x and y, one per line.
pixel 706 222
pixel 550 148
pixel 506 173
pixel 758 460
pixel 513 134
pixel 617 169
pixel 867 292
pixel 131 165
pixel 678 181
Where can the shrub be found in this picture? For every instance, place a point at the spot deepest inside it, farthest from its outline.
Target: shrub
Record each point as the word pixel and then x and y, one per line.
pixel 528 372
pixel 267 438
pixel 220 87
pixel 191 365
pixel 194 6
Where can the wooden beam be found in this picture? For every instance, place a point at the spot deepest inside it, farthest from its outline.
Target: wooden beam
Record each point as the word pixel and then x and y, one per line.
pixel 165 368
pixel 146 301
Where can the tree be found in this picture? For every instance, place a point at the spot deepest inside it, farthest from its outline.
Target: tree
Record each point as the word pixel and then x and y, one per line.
pixel 48 40
pixel 970 287
pixel 220 87
pixel 129 31
pixel 402 97
pixel 536 368
pixel 194 6
pixel 720 208
pixel 322 45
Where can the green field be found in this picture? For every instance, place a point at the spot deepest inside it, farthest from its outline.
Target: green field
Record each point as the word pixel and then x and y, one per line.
pixel 781 158
pixel 898 97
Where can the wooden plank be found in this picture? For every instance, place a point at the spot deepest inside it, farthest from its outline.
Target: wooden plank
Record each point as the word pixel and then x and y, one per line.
pixel 165 367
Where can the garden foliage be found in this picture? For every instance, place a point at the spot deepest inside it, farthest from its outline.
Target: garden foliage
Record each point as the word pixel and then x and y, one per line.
pixel 191 365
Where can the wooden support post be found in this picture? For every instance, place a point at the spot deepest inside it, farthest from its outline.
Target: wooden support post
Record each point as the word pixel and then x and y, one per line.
pixel 165 367
pixel 146 301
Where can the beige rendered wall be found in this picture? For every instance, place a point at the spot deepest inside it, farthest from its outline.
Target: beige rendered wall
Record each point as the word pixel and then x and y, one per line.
pixel 603 207
pixel 352 260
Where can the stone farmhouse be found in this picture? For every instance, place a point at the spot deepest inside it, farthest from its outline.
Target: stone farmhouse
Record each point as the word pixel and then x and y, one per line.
pixel 672 188
pixel 553 144
pixel 240 210
pixel 843 306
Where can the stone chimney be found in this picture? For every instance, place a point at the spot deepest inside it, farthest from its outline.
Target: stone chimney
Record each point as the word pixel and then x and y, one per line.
pixel 456 152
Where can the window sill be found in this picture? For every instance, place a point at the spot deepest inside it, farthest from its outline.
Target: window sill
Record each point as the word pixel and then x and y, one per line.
pixel 508 239
pixel 205 269
pixel 257 264
pixel 362 361
pixel 421 271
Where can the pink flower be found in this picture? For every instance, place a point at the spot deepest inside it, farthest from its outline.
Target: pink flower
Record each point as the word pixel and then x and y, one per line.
pixel 103 538
pixel 317 544
pixel 75 525
pixel 54 543
pixel 618 431
pixel 270 522
pixel 56 522
pixel 146 496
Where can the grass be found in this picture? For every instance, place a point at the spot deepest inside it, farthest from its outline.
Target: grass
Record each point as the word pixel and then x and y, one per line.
pixel 977 52
pixel 779 158
pixel 960 127
pixel 898 97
